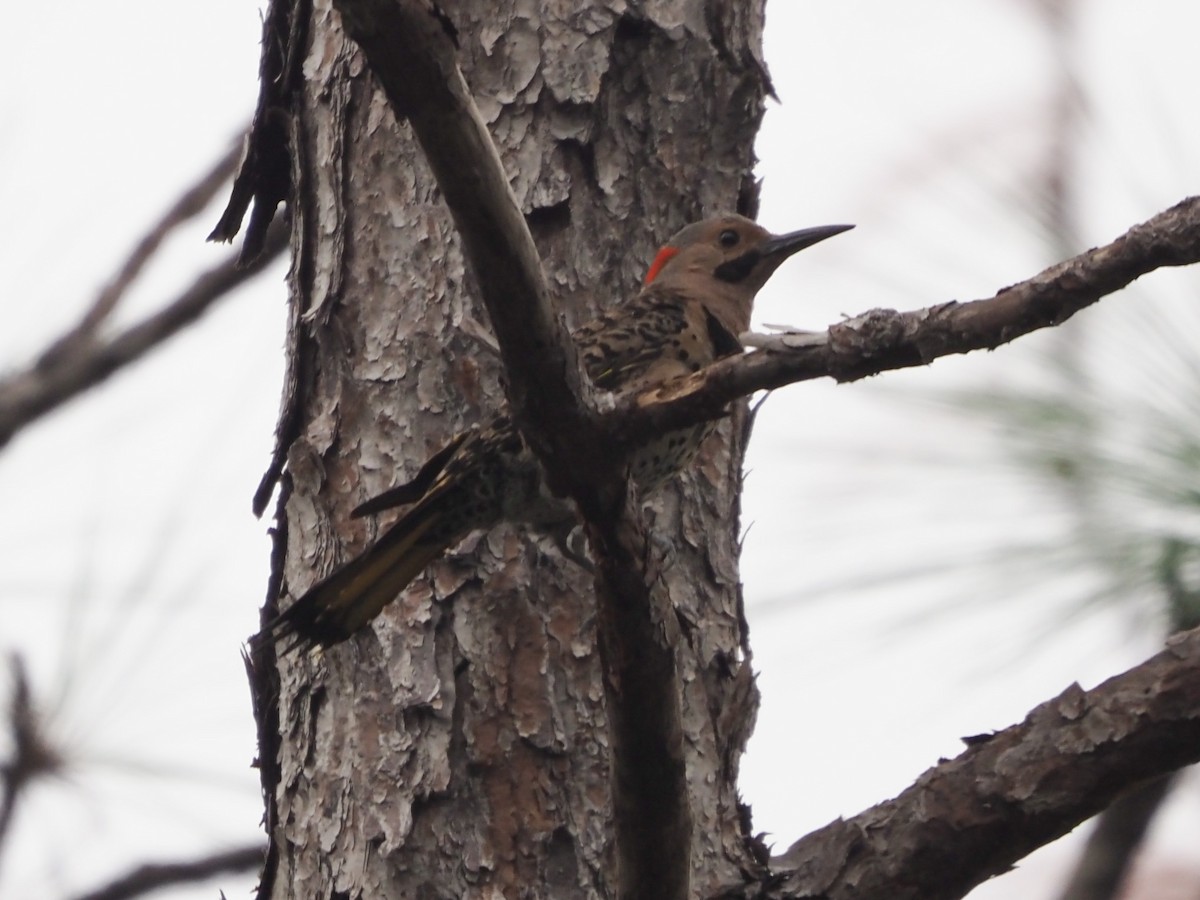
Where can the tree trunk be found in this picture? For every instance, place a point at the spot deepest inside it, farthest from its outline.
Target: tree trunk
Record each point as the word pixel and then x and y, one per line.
pixel 458 747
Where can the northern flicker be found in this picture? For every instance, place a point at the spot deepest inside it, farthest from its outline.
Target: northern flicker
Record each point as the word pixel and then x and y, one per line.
pixel 695 302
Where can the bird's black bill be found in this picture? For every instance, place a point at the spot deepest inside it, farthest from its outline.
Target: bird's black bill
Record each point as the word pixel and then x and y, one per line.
pixel 785 245
pixel 776 250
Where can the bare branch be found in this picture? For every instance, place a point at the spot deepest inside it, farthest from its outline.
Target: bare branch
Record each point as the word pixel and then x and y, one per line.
pixel 155 876
pixel 638 633
pixel 33 756
pixel 410 47
pixel 884 339
pixel 190 204
pixel 30 394
pixel 973 817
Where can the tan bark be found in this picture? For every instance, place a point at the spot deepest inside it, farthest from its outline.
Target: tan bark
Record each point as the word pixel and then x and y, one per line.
pixel 459 747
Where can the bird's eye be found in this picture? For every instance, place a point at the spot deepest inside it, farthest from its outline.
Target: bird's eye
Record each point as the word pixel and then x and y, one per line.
pixel 729 238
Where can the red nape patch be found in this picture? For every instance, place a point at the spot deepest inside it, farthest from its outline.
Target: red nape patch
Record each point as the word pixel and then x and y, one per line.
pixel 664 256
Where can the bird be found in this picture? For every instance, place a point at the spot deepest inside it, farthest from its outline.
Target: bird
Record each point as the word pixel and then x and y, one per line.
pixel 692 307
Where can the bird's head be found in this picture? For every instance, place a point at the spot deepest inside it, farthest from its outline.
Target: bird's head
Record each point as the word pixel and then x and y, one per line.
pixel 724 261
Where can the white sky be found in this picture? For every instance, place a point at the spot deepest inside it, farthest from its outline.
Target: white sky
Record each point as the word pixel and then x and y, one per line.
pixel 134 568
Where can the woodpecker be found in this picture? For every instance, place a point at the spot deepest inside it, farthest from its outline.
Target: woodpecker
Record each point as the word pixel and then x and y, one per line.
pixel 694 304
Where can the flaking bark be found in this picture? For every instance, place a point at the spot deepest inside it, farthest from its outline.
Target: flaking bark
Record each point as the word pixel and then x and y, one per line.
pixel 1008 793
pixel 459 747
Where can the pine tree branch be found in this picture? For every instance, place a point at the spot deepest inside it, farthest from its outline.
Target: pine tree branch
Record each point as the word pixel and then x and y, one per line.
pixel 638 632
pixel 60 376
pixel 187 206
pixel 883 339
pixel 31 756
pixel 975 816
pixel 410 46
pixel 152 877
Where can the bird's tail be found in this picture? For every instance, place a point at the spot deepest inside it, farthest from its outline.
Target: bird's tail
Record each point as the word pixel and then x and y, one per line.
pixel 353 595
